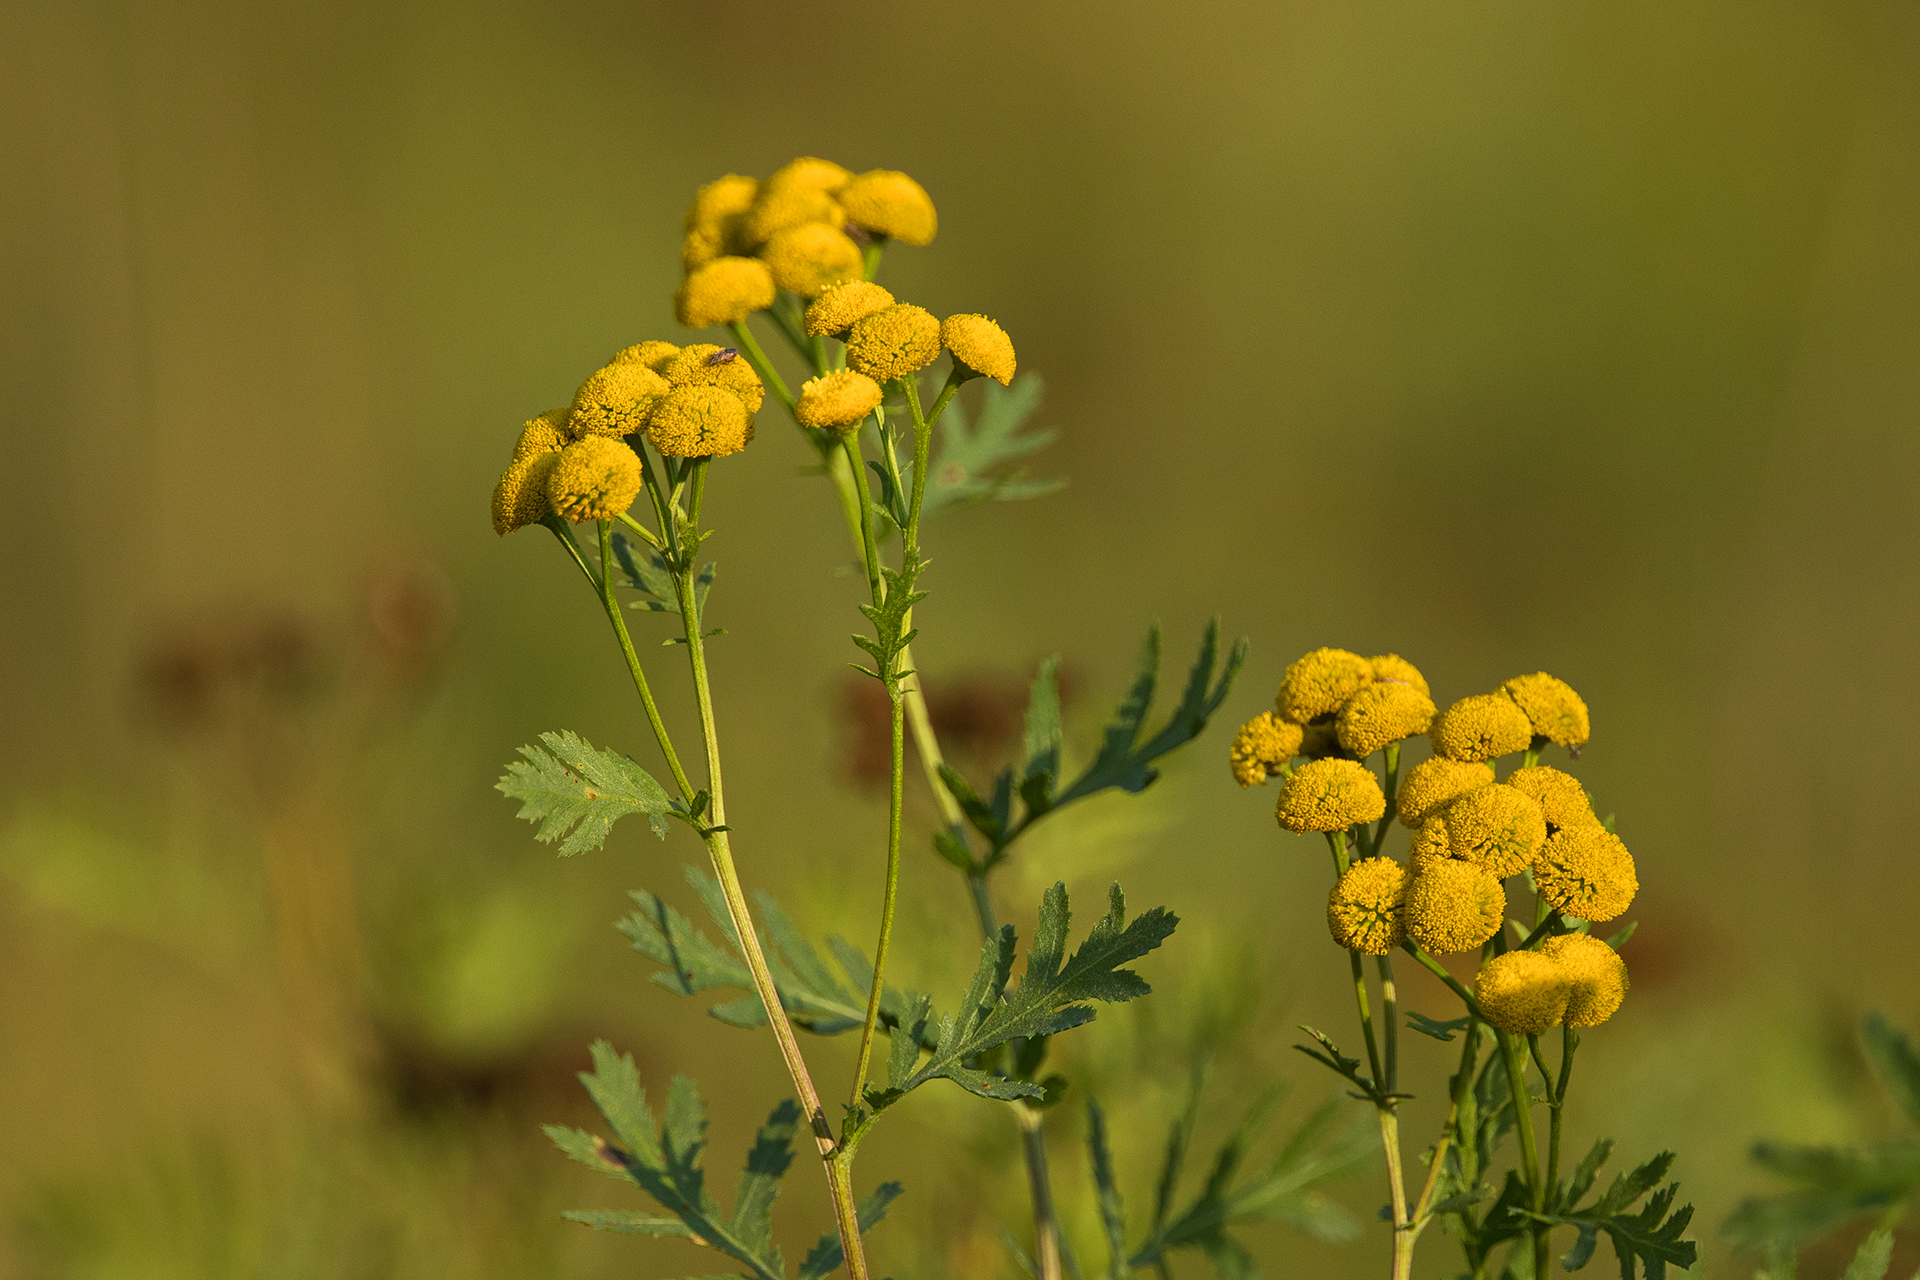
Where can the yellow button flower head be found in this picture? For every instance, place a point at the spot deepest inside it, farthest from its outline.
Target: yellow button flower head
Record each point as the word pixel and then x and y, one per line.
pixel 834 400
pixel 700 422
pixel 1329 795
pixel 1552 707
pixel 981 348
pixel 777 208
pixel 890 203
pixel 1262 748
pixel 722 291
pixel 1586 872
pixel 725 197
pixel 1366 910
pixel 704 365
pixel 1431 843
pixel 1560 795
pixel 810 172
pixel 839 305
pixel 1498 828
pixel 1391 666
pixel 1522 992
pixel 701 246
pixel 1453 906
pixel 594 479
pixel 1598 976
pixel 1481 727
pixel 893 342
pixel 615 401
pixel 1320 684
pixel 520 499
pixel 652 353
pixel 1380 713
pixel 544 434
pixel 1433 784
pixel 1318 740
pixel 807 258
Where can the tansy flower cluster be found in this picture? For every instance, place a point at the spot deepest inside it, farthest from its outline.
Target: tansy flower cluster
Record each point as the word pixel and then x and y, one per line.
pixel 1472 831
pixel 579 462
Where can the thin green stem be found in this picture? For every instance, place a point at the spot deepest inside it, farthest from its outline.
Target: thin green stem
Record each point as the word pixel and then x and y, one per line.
pixel 614 615
pixel 559 528
pixel 640 531
pixel 1529 1150
pixel 1392 785
pixel 922 446
pixel 1540 1064
pixel 1337 841
pixel 982 904
pixel 850 444
pixel 894 810
pixel 871 257
pixel 696 490
pixel 1569 1042
pixel 1390 1010
pixel 1439 971
pixel 1046 1229
pixel 947 392
pixel 750 347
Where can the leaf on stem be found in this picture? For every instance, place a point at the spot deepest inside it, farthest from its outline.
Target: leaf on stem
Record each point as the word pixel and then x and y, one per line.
pixel 649 575
pixel 568 785
pixel 1438 1030
pixel 1650 1237
pixel 825 1257
pixel 967 459
pixel 1113 1213
pixel 891 634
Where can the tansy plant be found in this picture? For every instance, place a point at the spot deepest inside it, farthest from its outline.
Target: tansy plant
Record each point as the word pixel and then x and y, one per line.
pixel 627 463
pixel 1475 838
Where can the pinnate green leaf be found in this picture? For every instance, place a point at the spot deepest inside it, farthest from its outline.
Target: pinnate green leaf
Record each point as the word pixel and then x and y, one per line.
pixel 575 790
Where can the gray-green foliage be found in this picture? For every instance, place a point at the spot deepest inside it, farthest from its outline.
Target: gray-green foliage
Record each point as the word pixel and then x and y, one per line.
pixel 575 790
pixel 664 1160
pixel 967 462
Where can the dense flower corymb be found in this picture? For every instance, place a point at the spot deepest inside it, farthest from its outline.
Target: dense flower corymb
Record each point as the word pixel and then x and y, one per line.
pixel 595 479
pixel 520 499
pixel 1597 974
pixel 980 347
pixel 1262 748
pixel 834 400
pixel 615 401
pixel 1432 784
pixel 723 291
pixel 1391 666
pixel 840 305
pixel 1453 906
pixel 544 434
pixel 1320 684
pixel 1329 795
pixel 893 342
pixel 1522 992
pixel 1497 827
pixel 699 422
pixel 705 365
pixel 1365 909
pixel 1586 872
pixel 1561 796
pixel 1380 713
pixel 1481 727
pixel 1555 711
pixel 889 203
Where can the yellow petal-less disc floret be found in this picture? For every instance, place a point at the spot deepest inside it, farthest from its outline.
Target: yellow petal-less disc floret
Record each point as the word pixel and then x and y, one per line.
pixel 810 172
pixel 725 197
pixel 1329 795
pixel 1453 906
pixel 776 209
pixel 544 434
pixel 890 203
pixel 652 353
pixel 1366 910
pixel 1498 828
pixel 807 258
pixel 1380 713
pixel 615 401
pixel 700 246
pixel 1522 992
pixel 1561 796
pixel 1262 748
pixel 702 364
pixel 834 400
pixel 594 479
pixel 1391 666
pixel 1586 872
pixel 893 342
pixel 840 305
pixel 1552 707
pixel 1432 842
pixel 520 498
pixel 700 422
pixel 1320 684
pixel 1481 727
pixel 723 291
pixel 1597 973
pixel 980 347
pixel 1433 784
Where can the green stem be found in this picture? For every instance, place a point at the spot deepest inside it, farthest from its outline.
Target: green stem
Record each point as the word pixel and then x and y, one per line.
pixel 871 257
pixel 1337 841
pixel 1393 783
pixel 750 348
pixel 947 392
pixel 1529 1150
pixel 1439 971
pixel 640 531
pixel 922 446
pixel 559 528
pixel 614 615
pixel 850 444
pixel 1569 1041
pixel 1046 1229
pixel 982 903
pixel 894 810
pixel 1390 1009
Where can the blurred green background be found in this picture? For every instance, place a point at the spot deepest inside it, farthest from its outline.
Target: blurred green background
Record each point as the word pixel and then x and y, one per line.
pixel 1501 335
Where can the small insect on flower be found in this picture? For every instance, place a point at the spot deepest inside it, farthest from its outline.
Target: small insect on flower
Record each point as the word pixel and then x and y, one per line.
pixel 893 342
pixel 1453 907
pixel 1552 707
pixel 1561 796
pixel 594 479
pixel 1597 974
pixel 980 347
pixel 615 401
pixel 723 291
pixel 1329 795
pixel 1496 827
pixel 520 498
pixel 700 421
pixel 1262 748
pixel 1586 872
pixel 1381 713
pixel 704 365
pixel 1391 666
pixel 808 258
pixel 1482 727
pixel 544 434
pixel 1522 992
pixel 1366 910
pixel 1433 784
pixel 835 400
pixel 840 305
pixel 889 203
pixel 1320 684
pixel 652 353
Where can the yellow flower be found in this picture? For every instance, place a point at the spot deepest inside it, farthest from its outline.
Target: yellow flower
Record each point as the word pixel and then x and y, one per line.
pixel 725 197
pixel 890 203
pixel 893 342
pixel 544 434
pixel 1380 713
pixel 723 291
pixel 594 479
pixel 1498 828
pixel 1453 906
pixel 616 400
pixel 839 305
pixel 811 172
pixel 1481 727
pixel 520 499
pixel 699 422
pixel 700 246
pixel 702 364
pixel 1586 872
pixel 1560 795
pixel 1432 784
pixel 1431 843
pixel 1329 795
pixel 1597 974
pixel 776 209
pixel 1262 748
pixel 980 347
pixel 807 258
pixel 1365 911
pixel 1522 992
pixel 653 353
pixel 1318 740
pixel 1391 666
pixel 1320 683
pixel 1552 707
pixel 834 400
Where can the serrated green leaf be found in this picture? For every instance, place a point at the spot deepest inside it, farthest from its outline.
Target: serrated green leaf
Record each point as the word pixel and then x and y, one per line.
pixel 1042 764
pixel 627 1222
pixel 1438 1030
pixel 825 1257
pixel 767 1162
pixel 1178 1139
pixel 649 575
pixel 891 634
pixel 569 785
pixel 1650 1238
pixel 1875 1255
pixel 1895 1062
pixel 1113 1213
pixel 966 461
